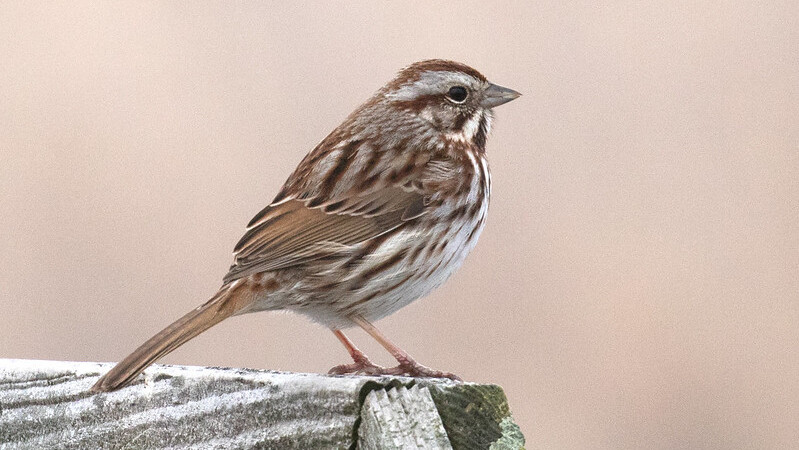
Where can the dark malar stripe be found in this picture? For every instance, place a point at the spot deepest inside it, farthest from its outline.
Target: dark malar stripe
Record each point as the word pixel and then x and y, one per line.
pixel 460 121
pixel 482 133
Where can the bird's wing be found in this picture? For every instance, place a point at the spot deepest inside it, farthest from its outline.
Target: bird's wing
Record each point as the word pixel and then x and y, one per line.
pixel 343 193
pixel 292 233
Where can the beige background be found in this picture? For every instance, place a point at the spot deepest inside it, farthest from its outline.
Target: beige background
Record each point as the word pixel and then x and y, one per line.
pixel 636 285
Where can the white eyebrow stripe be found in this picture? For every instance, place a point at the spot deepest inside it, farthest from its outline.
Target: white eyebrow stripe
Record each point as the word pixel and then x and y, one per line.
pixel 431 82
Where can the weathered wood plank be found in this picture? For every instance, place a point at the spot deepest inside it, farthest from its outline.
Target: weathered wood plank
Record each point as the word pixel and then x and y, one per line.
pixel 46 404
pixel 401 418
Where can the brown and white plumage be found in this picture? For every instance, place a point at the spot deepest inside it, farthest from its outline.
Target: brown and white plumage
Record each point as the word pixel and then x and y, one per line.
pixel 380 213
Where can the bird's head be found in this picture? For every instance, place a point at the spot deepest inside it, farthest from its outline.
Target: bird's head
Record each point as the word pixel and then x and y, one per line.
pixel 452 97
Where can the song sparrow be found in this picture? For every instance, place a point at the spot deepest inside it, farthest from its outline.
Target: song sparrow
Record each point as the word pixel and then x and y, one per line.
pixel 379 214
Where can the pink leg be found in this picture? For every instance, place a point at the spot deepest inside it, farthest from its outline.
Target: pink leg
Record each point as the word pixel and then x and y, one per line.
pixel 407 365
pixel 362 363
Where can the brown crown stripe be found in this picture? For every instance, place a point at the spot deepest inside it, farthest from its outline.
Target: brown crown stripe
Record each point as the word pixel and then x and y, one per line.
pixel 415 70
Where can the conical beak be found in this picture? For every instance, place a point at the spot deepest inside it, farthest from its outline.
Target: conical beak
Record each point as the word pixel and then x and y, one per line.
pixel 497 95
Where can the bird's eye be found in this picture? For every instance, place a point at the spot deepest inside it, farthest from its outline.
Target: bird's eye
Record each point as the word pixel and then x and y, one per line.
pixel 457 94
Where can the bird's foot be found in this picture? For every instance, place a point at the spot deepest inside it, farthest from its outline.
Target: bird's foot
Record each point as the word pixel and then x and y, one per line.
pixel 410 368
pixel 361 366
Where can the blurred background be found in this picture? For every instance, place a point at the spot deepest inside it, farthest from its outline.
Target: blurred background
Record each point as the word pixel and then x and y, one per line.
pixel 636 285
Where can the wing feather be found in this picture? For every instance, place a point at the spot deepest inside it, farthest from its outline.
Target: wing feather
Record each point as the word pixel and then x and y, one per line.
pixel 290 233
pixel 345 192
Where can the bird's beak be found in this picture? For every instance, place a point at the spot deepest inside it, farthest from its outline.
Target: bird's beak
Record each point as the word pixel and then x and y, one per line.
pixel 497 95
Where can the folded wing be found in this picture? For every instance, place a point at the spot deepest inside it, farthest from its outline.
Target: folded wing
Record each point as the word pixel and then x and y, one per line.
pixel 291 233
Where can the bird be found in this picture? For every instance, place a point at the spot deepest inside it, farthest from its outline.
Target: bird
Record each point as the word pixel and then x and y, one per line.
pixel 380 213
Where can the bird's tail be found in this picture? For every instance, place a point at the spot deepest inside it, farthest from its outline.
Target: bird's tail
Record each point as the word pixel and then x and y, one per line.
pixel 222 305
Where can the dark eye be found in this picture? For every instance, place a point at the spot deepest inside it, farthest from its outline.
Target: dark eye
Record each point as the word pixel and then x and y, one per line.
pixel 458 94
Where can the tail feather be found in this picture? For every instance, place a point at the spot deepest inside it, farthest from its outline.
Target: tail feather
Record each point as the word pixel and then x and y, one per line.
pixel 221 306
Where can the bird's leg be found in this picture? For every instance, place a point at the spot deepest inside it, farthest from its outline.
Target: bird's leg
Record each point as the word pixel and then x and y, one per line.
pixel 362 363
pixel 407 365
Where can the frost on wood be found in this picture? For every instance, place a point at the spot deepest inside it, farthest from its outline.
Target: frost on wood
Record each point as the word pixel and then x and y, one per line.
pixel 46 404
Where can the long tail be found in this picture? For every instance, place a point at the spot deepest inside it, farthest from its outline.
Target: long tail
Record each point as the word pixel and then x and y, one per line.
pixel 222 305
